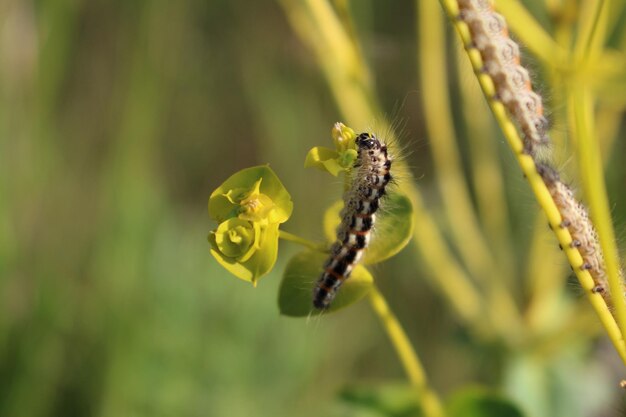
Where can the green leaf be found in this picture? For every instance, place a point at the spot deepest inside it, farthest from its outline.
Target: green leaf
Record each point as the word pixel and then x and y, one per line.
pixel 392 232
pixel 480 402
pixel 246 249
pixel 250 194
pixel 295 297
pixel 388 400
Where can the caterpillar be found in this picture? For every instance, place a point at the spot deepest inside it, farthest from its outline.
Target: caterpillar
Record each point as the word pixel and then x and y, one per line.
pixel 576 219
pixel 501 58
pixel 370 176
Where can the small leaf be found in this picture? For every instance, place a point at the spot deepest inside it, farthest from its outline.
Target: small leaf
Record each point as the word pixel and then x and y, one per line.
pixel 479 402
pixel 325 159
pixel 249 193
pixel 295 297
pixel 392 231
pixel 388 400
pixel 335 160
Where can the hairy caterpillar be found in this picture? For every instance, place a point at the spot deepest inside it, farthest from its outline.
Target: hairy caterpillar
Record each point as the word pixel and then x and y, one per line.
pixel 501 58
pixel 370 176
pixel 584 236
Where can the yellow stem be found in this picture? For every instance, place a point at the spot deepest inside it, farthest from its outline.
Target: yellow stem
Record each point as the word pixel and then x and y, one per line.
pixel 442 269
pixel 430 402
pixel 343 13
pixel 544 279
pixel 592 177
pixel 486 168
pixel 317 25
pixel 301 241
pixel 592 29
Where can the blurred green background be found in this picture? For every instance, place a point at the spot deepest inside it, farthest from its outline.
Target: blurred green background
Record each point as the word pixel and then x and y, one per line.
pixel 117 120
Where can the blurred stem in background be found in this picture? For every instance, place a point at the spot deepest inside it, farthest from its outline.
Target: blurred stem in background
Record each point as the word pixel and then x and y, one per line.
pixel 581 104
pixel 487 172
pixel 465 229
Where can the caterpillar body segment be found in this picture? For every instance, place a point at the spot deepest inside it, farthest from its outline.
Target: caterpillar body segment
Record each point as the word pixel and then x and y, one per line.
pixel 501 61
pixel 370 176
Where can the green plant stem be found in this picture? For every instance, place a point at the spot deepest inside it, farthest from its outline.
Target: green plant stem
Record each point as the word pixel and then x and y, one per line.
pixel 487 173
pixel 544 279
pixel 592 30
pixel 430 402
pixel 301 241
pixel 592 177
pixel 443 271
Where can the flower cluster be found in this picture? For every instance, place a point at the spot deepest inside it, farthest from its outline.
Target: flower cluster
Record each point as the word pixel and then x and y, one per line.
pixel 248 207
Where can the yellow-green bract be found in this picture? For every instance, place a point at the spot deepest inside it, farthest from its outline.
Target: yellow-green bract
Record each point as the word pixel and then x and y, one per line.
pixel 248 207
pixel 330 160
pixel 335 160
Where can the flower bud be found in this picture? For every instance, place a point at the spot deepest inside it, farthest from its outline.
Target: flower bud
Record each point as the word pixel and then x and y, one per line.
pixel 343 137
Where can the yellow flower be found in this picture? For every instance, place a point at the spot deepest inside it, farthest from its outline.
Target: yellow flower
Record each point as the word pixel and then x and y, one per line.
pixel 248 207
pixel 237 239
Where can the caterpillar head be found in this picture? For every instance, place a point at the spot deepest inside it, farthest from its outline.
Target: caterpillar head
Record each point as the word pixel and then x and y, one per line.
pixel 367 141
